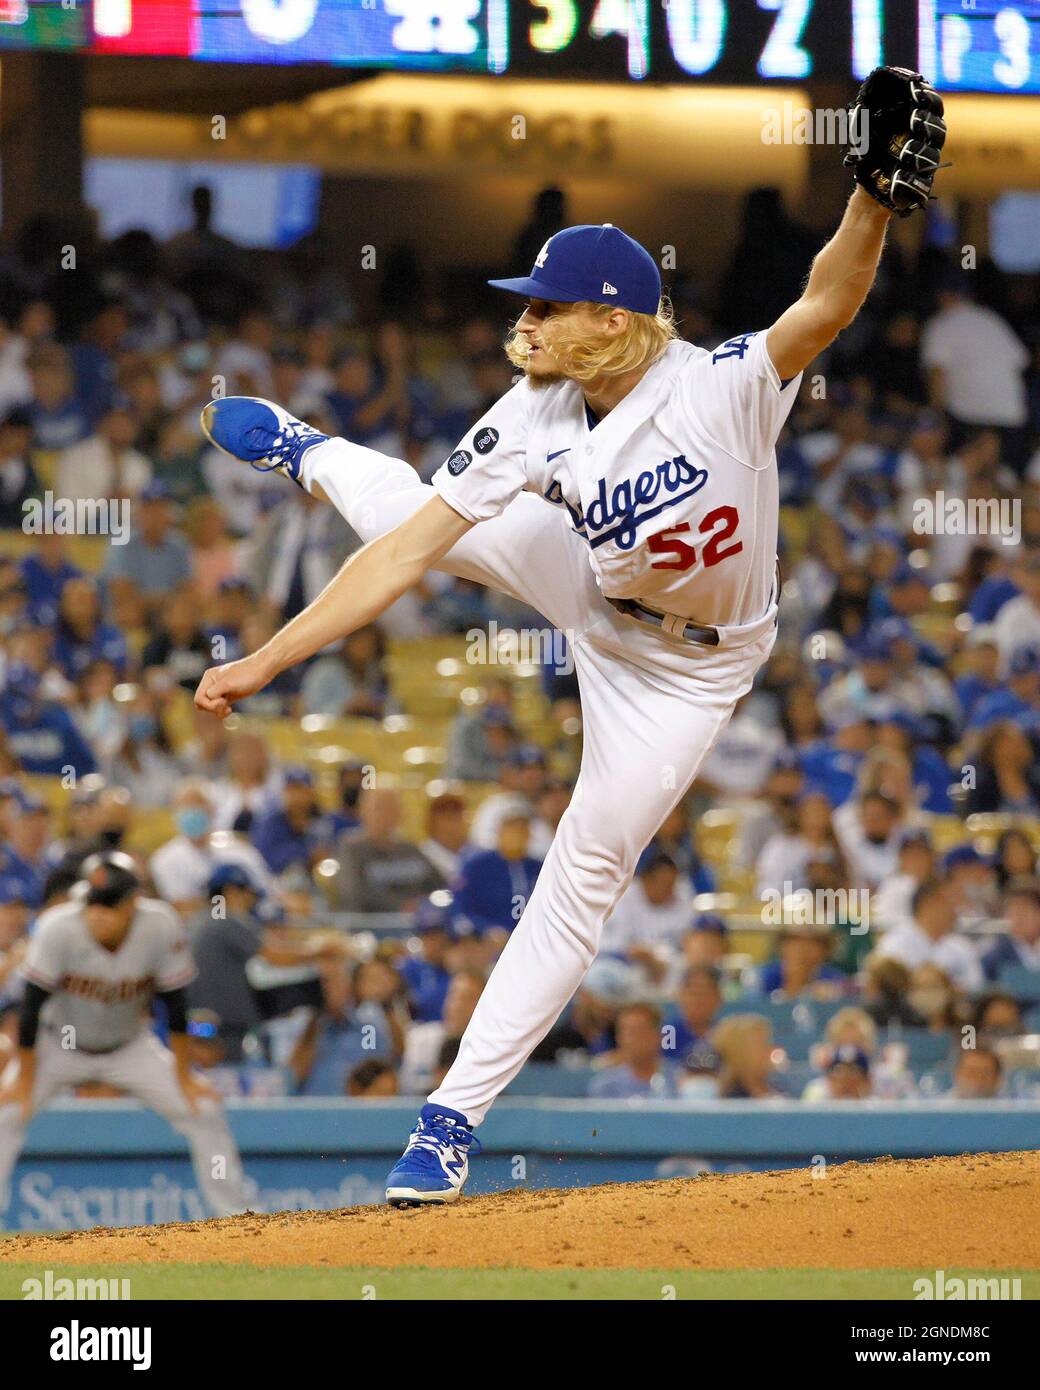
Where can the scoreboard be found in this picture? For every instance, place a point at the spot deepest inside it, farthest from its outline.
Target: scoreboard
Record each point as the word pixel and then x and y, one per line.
pixel 961 45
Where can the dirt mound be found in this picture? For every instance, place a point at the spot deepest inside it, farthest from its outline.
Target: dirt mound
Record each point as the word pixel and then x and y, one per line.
pixel 978 1211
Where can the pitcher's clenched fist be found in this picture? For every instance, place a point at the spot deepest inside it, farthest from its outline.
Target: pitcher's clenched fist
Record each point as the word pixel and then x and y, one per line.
pixel 221 686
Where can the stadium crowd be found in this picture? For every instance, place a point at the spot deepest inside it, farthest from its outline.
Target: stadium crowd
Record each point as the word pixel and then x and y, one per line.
pixel 885 764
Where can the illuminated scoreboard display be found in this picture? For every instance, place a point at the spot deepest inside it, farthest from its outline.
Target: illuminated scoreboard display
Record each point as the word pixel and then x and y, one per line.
pixel 969 45
pixel 980 46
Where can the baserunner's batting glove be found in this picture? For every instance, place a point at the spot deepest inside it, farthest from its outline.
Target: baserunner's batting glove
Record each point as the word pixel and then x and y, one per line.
pixel 896 135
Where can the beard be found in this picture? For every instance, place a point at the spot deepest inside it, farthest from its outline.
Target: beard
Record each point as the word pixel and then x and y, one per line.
pixel 541 380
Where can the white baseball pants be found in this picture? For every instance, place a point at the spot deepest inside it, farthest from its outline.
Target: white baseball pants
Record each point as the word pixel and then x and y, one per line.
pixel 652 708
pixel 146 1070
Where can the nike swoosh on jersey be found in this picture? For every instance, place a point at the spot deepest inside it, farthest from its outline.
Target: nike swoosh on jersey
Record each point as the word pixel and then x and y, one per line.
pixel 549 457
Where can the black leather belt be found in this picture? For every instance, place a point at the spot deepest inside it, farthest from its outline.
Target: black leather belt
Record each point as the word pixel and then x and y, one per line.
pixel 691 632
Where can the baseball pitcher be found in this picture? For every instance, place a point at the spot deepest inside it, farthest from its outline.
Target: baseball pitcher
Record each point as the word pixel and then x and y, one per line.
pixel 93 966
pixel 626 488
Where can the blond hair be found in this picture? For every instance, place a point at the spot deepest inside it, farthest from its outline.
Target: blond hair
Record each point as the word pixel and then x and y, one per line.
pixel 582 357
pixel 859 1019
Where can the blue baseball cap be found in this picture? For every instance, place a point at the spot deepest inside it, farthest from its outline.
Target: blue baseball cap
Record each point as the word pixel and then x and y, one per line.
pixel 1024 661
pixel 12 890
pixel 848 1055
pixel 435 913
pixel 595 263
pixel 230 876
pixel 960 855
pixel 527 755
pixel 710 921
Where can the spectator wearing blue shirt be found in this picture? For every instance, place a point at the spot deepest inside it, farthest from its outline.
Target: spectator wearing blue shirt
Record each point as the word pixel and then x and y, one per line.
pixel 689 1022
pixel 906 595
pixel 831 765
pixel 58 416
pixel 1019 947
pixel 40 733
pixel 639 1072
pixel 675 839
pixel 93 356
pixel 297 834
pixel 155 560
pixel 80 636
pixel 23 855
pixel 370 401
pixel 426 975
pixel 991 595
pixel 802 965
pixel 356 1024
pixel 45 572
pixel 1019 701
pixel 495 885
pixel 234 602
pixel 978 677
pixel 932 777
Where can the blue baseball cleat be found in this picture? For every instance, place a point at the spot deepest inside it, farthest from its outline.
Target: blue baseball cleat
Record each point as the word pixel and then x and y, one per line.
pixel 435 1162
pixel 259 433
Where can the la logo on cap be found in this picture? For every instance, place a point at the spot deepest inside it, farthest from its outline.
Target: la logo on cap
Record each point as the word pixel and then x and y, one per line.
pixel 542 256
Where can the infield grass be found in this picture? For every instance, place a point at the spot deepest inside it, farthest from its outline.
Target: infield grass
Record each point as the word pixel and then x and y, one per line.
pixel 169 1281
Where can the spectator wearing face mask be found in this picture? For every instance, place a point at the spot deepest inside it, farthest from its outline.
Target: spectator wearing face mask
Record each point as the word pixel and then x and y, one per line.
pixel 181 868
pixel 144 761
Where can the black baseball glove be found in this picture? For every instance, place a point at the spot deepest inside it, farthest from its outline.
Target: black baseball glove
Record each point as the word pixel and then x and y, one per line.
pixel 896 135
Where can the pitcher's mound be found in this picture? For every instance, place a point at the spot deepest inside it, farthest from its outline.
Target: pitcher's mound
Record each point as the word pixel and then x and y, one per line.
pixel 978 1211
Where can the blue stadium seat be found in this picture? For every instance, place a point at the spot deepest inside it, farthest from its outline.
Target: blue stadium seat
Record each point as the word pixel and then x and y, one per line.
pixel 1022 983
pixel 548 1079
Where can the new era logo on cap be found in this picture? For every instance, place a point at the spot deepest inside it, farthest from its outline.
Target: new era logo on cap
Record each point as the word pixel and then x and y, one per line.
pixel 600 264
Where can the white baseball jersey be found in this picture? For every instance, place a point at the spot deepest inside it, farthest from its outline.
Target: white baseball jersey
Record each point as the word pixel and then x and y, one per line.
pixel 675 491
pixel 104 995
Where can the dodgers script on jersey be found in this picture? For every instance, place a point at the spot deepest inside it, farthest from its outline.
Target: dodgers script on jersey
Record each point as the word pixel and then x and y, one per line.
pixel 105 994
pixel 675 492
